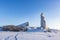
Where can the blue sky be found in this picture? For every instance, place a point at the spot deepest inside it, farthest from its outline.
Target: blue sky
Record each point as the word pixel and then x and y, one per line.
pixel 14 12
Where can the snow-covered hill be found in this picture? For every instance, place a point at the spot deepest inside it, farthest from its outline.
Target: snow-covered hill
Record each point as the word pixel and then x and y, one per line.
pixel 54 35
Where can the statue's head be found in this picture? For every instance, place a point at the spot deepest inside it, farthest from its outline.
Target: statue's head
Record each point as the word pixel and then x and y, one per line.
pixel 41 14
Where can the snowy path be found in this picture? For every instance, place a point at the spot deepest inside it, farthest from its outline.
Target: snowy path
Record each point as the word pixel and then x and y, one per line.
pixel 29 36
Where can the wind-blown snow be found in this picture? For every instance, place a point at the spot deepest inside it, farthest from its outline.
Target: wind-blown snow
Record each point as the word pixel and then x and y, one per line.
pixel 30 35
